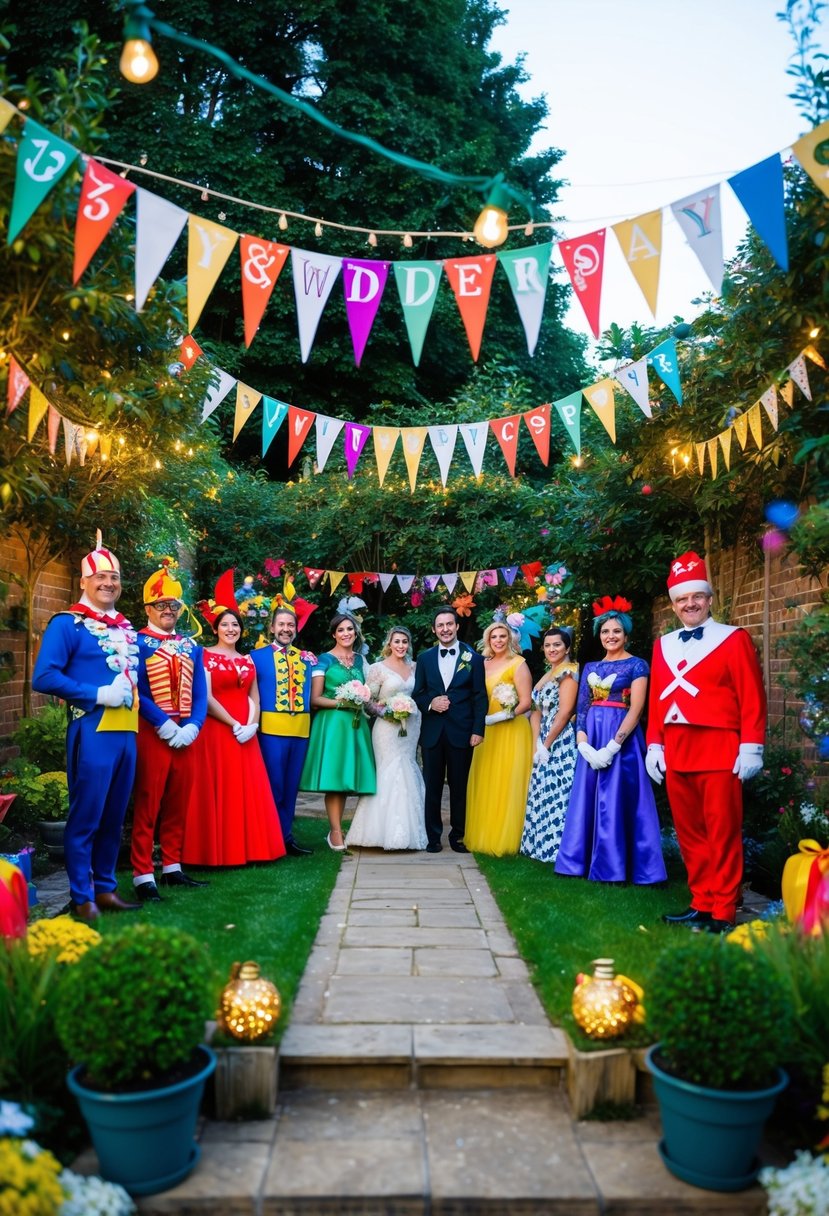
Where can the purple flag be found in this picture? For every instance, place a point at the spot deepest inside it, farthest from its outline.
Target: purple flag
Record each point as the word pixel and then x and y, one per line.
pixel 430 581
pixel 509 573
pixel 355 440
pixel 364 283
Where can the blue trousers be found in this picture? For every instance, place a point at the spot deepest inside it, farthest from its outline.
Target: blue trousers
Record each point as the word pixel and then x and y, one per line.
pixel 284 756
pixel 100 767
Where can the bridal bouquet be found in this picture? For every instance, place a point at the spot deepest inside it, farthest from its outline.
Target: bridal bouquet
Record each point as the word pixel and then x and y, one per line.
pixel 354 696
pixel 399 708
pixel 507 697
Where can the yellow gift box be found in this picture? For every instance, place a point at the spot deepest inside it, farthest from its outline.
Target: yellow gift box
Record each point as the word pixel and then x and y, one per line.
pixel 802 875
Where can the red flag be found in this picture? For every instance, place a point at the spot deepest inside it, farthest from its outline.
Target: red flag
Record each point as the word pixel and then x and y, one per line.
pixel 471 280
pixel 506 432
pixel 314 576
pixel 584 260
pixel 261 263
pixel 538 424
pixel 16 386
pixel 102 200
pixel 299 424
pixel 189 351
pixel 531 572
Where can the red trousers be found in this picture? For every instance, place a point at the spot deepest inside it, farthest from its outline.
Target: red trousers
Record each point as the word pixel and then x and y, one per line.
pixel 163 779
pixel 707 808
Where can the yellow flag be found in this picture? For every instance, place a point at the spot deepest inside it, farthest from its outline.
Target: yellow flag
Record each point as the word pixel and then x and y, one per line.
pixel 38 405
pixel 711 444
pixel 725 443
pixel 600 396
pixel 641 243
pixel 755 421
pixel 741 429
pixel 787 393
pixel 7 112
pixel 414 438
pixel 468 579
pixel 769 404
pixel 209 246
pixel 811 352
pixel 385 440
pixel 247 400
pixel 105 447
pixel 812 151
pixel 700 456
pixel 335 577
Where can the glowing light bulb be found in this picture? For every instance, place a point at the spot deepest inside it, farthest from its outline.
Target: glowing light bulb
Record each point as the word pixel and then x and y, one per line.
pixel 407 241
pixel 283 222
pixel 814 333
pixel 138 61
pixel 318 229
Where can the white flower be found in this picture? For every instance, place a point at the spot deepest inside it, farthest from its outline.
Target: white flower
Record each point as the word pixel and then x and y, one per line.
pixel 13 1119
pixel 93 1197
pixel 801 1189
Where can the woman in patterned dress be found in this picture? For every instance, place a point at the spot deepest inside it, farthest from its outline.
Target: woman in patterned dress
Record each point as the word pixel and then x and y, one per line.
pixel 554 762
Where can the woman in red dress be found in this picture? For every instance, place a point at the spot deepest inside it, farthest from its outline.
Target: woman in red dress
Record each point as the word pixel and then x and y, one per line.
pixel 232 817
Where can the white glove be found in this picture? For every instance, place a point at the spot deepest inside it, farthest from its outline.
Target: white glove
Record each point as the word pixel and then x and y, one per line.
pixel 655 762
pixel 605 754
pixel 167 730
pixel 177 740
pixel 503 715
pixel 119 692
pixel 542 753
pixel 589 754
pixel 749 761
pixel 244 733
pixel 189 734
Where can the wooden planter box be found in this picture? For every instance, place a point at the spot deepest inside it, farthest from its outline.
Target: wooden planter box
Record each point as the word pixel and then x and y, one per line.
pixel 244 1083
pixel 600 1076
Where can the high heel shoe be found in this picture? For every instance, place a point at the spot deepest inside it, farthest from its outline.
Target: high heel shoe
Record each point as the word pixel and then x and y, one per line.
pixel 338 848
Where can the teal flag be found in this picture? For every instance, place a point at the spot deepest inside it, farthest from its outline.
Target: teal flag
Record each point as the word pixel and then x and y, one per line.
pixel 417 286
pixel 273 415
pixel 528 271
pixel 569 411
pixel 664 362
pixel 42 160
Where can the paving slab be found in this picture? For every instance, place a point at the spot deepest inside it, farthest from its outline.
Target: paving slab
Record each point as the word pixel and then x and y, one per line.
pixel 415 998
pixel 447 961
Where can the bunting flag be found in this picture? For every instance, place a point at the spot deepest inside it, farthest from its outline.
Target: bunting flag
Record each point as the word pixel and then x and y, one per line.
pixel 528 272
pixel 531 571
pixel 471 281
pixel 430 582
pixel 601 398
pixel 740 425
pixel 641 243
pixel 474 436
pixel 53 428
pixel 274 414
pixel 755 423
pixel 42 160
pixel 664 362
pixel 417 286
pixel 506 432
pixel 468 579
pixel 16 385
pixel 386 581
pixel 209 246
pixel 7 113
pixel 797 371
pixel 787 393
pixel 103 197
pixel 261 263
pixel 217 393
pixel 364 283
pixel 450 582
pixel 314 277
pixel 414 437
pixel 189 351
pixel 299 424
pixel 404 582
pixel 38 405
pixel 584 262
pixel 314 576
pixel 105 446
pixel 537 422
pixel 569 411
pixel 700 219
pixel 812 353
pixel 327 431
pixel 247 400
pixel 633 377
pixel 355 440
pixel 712 456
pixel 158 225
pixel 700 457
pixel 812 150
pixel 760 193
pixel 385 440
pixel 769 404
pixel 725 443
pixel 443 440
pixel 74 442
pixel 508 574
pixel 335 577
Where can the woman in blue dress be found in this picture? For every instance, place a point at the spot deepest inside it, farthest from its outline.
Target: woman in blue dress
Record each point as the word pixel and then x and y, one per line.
pixel 611 833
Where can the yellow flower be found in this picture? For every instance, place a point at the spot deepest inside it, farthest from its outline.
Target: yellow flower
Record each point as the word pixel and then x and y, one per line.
pixel 29 1183
pixel 745 935
pixel 70 938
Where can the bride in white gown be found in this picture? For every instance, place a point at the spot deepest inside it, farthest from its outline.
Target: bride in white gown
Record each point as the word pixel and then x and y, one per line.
pixel 393 818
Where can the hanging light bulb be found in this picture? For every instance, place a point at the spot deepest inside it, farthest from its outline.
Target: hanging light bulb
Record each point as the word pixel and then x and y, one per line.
pixel 138 62
pixel 492 225
pixel 530 229
pixel 318 229
pixel 407 241
pixel 372 239
pixel 283 222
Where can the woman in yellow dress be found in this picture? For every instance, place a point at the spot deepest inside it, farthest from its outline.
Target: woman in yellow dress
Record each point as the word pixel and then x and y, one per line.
pixel 497 793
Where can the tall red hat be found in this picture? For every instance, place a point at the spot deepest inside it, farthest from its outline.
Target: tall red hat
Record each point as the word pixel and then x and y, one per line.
pixel 688 574
pixel 223 598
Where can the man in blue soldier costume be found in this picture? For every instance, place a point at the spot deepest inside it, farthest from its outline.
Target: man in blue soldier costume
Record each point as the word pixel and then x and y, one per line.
pixel 88 658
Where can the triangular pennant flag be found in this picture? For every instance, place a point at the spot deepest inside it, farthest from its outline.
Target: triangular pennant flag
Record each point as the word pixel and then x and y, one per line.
pixel 217 393
pixel 327 431
pixel 506 432
pixel 760 191
pixel 247 400
pixel 417 286
pixel 102 200
pixel 725 443
pixel 16 385
pixel 450 582
pixel 404 582
pixel 787 393
pixel 355 440
pixel 769 404
pixel 53 428
pixel 158 225
pixel 209 245
pixel 531 572
pixel 274 414
pixel 755 422
pixel 74 439
pixel 38 405
pixel 385 439
pixel 261 263
pixel 740 425
pixel 335 577
pixel 634 378
pixel 812 150
pixel 528 271
pixel 797 371
pixel 7 113
pixel 468 579
pixel 430 581
pixel 664 362
pixel 537 422
pixel 413 437
pixel 811 352
pixel 699 216
pixel 189 351
pixel 386 580
pixel 712 456
pixel 601 398
pixel 42 160
pixel 314 277
pixel 640 240
pixel 471 280
pixel 569 411
pixel 105 447
pixel 299 424
pixel 314 576
pixel 474 436
pixel 92 438
pixel 584 261
pixel 443 440
pixel 700 456
pixel 508 574
pixel 363 283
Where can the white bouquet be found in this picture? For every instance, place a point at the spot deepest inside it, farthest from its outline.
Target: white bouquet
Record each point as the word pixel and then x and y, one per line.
pixel 507 697
pixel 355 696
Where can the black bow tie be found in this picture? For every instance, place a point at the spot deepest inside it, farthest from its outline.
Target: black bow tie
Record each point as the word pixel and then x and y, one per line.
pixel 685 635
pixel 444 653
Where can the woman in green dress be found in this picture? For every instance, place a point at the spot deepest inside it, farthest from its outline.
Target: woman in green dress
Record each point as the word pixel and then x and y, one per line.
pixel 340 759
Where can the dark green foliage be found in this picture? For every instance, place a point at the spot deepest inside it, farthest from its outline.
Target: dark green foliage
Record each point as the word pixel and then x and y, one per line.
pixel 135 1007
pixel 719 1012
pixel 42 738
pixel 39 795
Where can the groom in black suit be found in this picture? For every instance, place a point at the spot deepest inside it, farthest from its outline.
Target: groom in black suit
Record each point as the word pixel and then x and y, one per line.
pixel 450 691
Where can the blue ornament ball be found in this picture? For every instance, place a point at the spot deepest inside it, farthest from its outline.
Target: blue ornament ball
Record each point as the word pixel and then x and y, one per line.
pixel 782 514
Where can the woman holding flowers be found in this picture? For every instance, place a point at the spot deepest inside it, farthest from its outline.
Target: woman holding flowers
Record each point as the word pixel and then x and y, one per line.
pixel 497 792
pixel 339 760
pixel 393 818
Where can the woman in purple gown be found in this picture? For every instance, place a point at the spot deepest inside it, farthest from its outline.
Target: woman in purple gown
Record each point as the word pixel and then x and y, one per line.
pixel 611 833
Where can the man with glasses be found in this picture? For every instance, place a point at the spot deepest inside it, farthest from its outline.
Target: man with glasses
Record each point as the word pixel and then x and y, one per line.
pixel 173 708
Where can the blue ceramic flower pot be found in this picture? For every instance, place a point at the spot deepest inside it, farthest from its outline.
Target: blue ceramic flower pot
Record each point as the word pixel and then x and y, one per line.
pixel 145 1141
pixel 711 1136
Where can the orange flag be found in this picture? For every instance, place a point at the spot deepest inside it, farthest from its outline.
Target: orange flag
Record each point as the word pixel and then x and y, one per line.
pixel 261 263
pixel 299 424
pixel 471 280
pixel 102 200
pixel 506 432
pixel 538 424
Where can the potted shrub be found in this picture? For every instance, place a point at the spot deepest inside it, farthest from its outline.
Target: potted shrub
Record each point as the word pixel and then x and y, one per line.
pixel 722 1022
pixel 132 1015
